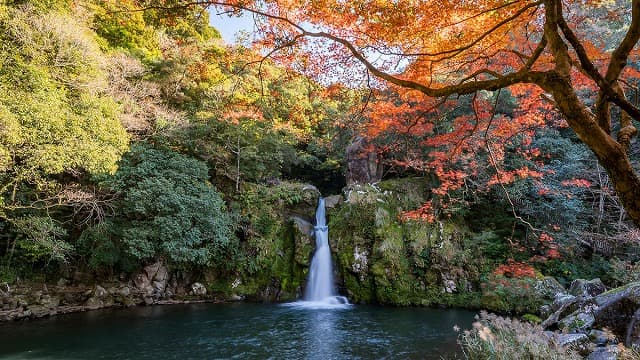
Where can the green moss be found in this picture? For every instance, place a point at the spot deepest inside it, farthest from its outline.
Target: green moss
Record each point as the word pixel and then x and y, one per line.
pixel 220 287
pixel 273 257
pixel 360 292
pixel 531 318
pixel 404 261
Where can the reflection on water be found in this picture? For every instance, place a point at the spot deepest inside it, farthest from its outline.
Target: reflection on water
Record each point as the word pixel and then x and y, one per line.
pixel 320 330
pixel 237 331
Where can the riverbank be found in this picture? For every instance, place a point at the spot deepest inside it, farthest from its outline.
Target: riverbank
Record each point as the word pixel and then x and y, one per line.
pixel 567 330
pixel 151 286
pixel 66 300
pixel 585 320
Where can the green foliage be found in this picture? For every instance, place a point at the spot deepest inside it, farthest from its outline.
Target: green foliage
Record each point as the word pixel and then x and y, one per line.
pixel 492 245
pixel 271 249
pixel 262 210
pixel 101 246
pixel 8 275
pixel 53 121
pixel 57 124
pixel 167 209
pixel 260 149
pixel 126 29
pixel 41 240
pixel 566 270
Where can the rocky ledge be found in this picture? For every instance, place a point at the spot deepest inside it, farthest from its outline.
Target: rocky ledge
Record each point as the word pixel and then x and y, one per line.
pixel 153 285
pixel 594 321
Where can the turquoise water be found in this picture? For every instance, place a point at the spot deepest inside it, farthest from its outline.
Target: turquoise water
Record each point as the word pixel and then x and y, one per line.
pixel 238 331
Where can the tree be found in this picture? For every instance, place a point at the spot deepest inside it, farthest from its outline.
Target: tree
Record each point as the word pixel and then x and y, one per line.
pixel 166 209
pixel 554 49
pixel 54 119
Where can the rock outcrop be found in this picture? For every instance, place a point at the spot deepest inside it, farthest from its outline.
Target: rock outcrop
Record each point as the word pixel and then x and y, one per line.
pixel 154 284
pixel 303 241
pixel 364 165
pixel 587 310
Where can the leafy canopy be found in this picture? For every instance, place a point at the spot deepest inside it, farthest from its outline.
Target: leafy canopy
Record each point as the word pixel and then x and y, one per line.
pixel 54 116
pixel 571 57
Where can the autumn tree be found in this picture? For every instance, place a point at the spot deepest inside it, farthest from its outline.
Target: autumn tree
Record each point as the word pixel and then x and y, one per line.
pixel 575 55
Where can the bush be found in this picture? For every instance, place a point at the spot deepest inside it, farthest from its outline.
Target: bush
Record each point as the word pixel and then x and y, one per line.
pixel 506 294
pixel 40 240
pixel 167 209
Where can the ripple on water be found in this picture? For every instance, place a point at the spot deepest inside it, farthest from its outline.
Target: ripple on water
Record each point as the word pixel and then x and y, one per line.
pixel 330 303
pixel 299 330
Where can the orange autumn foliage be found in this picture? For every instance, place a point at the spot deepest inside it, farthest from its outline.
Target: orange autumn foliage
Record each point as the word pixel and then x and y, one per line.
pixel 514 269
pixel 567 63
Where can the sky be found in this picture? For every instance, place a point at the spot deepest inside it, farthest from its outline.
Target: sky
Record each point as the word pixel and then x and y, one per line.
pixel 230 26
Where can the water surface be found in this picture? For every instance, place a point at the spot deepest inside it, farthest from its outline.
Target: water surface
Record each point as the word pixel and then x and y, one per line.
pixel 237 331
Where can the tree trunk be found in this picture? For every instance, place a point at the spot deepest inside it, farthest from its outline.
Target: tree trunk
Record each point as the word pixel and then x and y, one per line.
pixel 611 154
pixel 628 341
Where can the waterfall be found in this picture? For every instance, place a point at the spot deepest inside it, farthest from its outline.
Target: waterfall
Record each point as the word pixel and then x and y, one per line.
pixel 320 283
pixel 320 286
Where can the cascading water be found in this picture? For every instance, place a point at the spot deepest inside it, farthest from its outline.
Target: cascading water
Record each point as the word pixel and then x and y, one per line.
pixel 320 291
pixel 320 283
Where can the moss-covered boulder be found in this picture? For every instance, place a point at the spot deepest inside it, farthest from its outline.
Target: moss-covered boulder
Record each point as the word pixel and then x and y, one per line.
pixel 619 311
pixel 276 243
pixel 519 295
pixel 303 241
pixel 384 260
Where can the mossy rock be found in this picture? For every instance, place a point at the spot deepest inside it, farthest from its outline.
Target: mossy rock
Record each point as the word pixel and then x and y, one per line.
pixel 359 291
pixel 303 241
pixel 382 260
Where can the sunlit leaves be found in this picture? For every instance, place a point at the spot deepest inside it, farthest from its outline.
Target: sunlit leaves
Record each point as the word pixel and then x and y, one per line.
pixel 53 118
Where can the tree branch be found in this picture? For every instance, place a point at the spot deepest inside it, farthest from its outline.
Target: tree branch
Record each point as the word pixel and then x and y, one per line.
pixel 522 76
pixel 454 52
